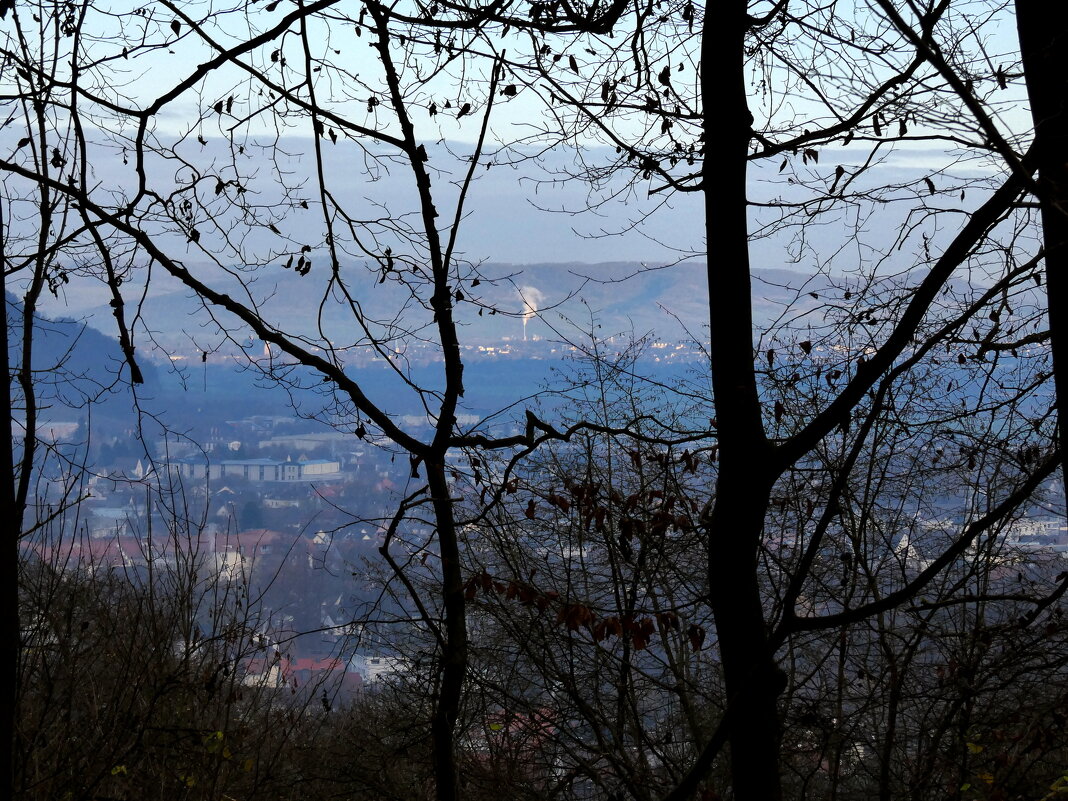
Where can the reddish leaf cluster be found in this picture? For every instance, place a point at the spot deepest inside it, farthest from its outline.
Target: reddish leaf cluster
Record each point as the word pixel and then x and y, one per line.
pixel 663 459
pixel 577 616
pixel 594 512
pixel 512 590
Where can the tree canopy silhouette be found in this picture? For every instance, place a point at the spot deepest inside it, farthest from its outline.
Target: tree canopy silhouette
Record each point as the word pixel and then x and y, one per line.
pixel 854 465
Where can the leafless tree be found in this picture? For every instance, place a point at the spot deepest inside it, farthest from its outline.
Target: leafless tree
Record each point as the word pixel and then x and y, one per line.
pixel 700 102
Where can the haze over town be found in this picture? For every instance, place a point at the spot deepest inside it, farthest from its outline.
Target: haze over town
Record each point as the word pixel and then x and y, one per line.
pixel 555 400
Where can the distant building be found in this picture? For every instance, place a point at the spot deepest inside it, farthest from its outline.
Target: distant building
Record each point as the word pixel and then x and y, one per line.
pixel 236 554
pixel 266 470
pixel 309 441
pixel 326 678
pixel 119 551
pixel 372 669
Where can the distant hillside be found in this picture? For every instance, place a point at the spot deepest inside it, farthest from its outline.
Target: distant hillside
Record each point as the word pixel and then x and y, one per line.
pixel 74 364
pixel 618 297
pixel 564 302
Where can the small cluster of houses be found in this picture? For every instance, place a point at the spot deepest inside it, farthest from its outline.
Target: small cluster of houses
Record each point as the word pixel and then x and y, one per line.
pixel 133 547
pixel 233 557
pixel 331 677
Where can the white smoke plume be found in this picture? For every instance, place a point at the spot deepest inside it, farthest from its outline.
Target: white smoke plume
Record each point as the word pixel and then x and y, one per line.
pixel 532 298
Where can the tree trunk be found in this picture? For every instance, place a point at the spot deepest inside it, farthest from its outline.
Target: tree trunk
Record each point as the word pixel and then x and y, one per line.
pixel 752 679
pixel 9 579
pixel 453 665
pixel 734 525
pixel 1043 29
